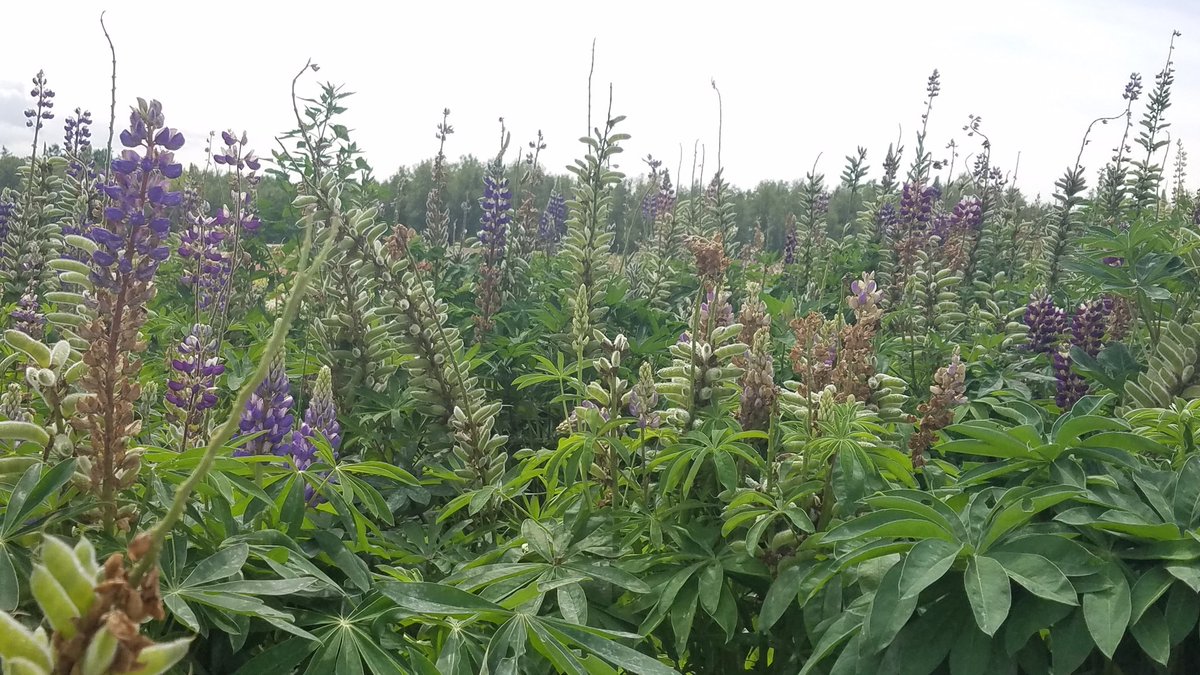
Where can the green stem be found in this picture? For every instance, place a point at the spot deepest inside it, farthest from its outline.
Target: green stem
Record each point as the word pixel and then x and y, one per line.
pixel 225 432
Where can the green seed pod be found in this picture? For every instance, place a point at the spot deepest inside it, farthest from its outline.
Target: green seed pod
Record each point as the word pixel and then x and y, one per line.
pixel 99 654
pixel 35 350
pixel 59 354
pixel 85 553
pixel 19 643
pixel 56 604
pixel 23 431
pixel 20 666
pixel 60 560
pixel 12 465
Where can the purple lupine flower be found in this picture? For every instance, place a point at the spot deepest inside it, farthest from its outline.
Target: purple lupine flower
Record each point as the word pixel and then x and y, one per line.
pixel 886 219
pixel 192 381
pixel 1069 386
pixel 820 205
pixel 6 211
pixel 1088 327
pixel 132 242
pixel 243 164
pixel 27 317
pixel 916 204
pixel 319 418
pixel 723 316
pixel 497 214
pixel 650 202
pixel 269 411
pixel 1045 322
pixel 790 242
pixel 77 143
pixel 44 97
pixel 967 215
pixel 207 266
pixel 666 195
pixel 553 222
pixel 643 399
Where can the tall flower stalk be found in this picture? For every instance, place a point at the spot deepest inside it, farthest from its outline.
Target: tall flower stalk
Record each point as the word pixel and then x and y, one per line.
pixel 130 246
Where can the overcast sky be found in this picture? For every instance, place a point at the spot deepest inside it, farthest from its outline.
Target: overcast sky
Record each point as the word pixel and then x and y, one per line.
pixel 798 78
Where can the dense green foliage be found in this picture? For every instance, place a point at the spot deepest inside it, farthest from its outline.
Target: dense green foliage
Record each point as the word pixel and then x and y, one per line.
pixel 590 424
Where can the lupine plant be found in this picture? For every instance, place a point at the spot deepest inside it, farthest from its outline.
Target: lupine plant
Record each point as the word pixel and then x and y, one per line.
pixel 281 416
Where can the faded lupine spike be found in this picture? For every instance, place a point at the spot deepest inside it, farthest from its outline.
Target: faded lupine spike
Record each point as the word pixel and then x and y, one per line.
pixel 947 392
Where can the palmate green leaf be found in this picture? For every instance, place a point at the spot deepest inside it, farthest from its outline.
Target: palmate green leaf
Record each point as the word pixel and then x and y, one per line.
pixel 1018 506
pixel 31 491
pixel 604 644
pixel 9 589
pixel 972 654
pixel 781 596
pixel 988 591
pixel 430 598
pixel 683 614
pixel 1149 587
pixel 1107 611
pixel 1070 643
pixel 354 568
pixel 1038 575
pixel 887 523
pixel 890 610
pixel 1153 635
pixel 926 563
pixel 846 626
pixel 220 565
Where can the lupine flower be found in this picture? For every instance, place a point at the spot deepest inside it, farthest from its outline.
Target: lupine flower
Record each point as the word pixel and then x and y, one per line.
pixel 1069 386
pixel 643 399
pixel 1045 322
pixel 947 393
pixel 319 418
pixel 865 297
pixel 77 142
pixel 967 215
pixel 207 267
pixel 243 165
pixel 665 201
pixel 12 404
pixel 6 211
pixel 1134 88
pixel 718 311
pixel 790 241
pixel 131 244
pixel 269 411
pixel 27 316
pixel 758 384
pixel 493 232
pixel 1088 327
pixel 553 222
pixel 497 214
pixel 820 205
pixel 44 97
pixel 132 240
pixel 886 219
pixel 192 380
pixel 916 203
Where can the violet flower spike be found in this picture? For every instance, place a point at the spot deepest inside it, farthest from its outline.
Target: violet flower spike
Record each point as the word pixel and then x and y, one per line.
pixel 269 410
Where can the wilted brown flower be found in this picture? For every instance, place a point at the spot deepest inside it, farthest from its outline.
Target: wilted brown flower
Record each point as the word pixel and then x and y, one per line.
pixel 711 262
pixel 947 393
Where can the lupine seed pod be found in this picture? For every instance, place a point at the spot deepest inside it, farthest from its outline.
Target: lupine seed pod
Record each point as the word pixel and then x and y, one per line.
pixel 19 644
pixel 99 655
